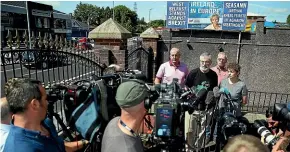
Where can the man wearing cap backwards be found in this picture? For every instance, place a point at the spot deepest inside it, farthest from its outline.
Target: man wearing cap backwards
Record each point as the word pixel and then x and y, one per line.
pixel 121 134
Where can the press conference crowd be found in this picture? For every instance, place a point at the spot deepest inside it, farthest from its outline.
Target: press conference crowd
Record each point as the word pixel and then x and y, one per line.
pixel 26 128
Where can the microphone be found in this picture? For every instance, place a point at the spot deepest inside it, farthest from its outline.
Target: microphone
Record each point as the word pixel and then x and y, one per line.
pixel 209 97
pixel 188 92
pixel 216 92
pixel 225 91
pixel 201 93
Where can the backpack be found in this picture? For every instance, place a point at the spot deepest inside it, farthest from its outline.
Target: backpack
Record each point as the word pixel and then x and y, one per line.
pixel 86 118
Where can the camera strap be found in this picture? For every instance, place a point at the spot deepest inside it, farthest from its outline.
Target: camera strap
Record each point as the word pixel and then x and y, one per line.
pixel 128 128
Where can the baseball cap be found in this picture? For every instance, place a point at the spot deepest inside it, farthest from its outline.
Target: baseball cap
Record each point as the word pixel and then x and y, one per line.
pixel 131 93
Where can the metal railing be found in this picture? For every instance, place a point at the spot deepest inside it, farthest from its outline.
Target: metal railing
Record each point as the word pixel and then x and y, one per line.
pixel 259 102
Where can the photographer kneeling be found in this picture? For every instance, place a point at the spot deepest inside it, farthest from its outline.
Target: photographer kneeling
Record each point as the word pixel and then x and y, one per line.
pixel 121 133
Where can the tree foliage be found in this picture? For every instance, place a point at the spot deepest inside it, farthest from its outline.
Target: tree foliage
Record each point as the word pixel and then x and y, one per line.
pixel 157 23
pixel 288 19
pixel 87 12
pixel 97 15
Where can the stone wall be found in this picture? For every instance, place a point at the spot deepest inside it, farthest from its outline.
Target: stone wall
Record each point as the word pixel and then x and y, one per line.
pixel 264 55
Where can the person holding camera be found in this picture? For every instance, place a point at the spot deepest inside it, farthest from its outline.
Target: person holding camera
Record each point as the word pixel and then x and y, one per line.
pixel 31 130
pixel 121 134
pixel 174 68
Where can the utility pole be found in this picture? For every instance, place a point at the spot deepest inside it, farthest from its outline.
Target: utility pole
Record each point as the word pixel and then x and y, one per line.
pixel 149 14
pixel 113 10
pixel 135 7
pixel 28 25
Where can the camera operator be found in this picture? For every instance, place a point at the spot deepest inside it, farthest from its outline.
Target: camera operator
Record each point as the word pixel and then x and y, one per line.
pixel 30 129
pixel 172 69
pixel 201 118
pixel 121 134
pixel 245 143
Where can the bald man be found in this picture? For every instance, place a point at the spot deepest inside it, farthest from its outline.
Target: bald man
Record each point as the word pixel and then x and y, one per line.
pixel 172 69
pixel 220 68
pixel 5 121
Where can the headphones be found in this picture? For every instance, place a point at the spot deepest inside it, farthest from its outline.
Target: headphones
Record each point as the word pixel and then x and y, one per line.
pixel 153 95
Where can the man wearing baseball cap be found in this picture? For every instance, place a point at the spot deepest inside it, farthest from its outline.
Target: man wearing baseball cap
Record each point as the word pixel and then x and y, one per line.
pixel 121 134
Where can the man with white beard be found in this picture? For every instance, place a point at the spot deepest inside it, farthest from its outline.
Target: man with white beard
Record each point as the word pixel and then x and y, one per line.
pixel 197 124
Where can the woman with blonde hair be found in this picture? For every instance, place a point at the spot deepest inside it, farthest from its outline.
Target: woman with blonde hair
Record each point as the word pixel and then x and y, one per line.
pixel 214 19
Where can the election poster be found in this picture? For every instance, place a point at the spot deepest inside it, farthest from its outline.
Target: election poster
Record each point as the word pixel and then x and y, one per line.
pixel 207 15
pixel 177 13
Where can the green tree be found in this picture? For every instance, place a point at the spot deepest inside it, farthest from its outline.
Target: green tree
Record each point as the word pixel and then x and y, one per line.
pixel 157 23
pixel 126 17
pixel 142 25
pixel 288 19
pixel 87 12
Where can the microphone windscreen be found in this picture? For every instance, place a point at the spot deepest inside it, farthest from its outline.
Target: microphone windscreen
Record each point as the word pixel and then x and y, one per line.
pixel 224 90
pixel 216 92
pixel 209 97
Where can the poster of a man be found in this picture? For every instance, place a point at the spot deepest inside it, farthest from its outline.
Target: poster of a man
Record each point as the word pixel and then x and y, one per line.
pixel 214 19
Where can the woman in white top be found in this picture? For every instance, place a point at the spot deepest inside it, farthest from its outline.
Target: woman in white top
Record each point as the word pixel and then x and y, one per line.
pixel 214 23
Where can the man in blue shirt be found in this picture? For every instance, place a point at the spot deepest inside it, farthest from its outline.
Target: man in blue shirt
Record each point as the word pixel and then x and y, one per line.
pixel 29 132
pixel 5 120
pixel 30 129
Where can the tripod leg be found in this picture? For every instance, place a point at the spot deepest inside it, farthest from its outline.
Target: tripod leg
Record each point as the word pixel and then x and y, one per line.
pixel 63 126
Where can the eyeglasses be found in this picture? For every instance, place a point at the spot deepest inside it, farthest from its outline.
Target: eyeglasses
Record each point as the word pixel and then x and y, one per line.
pixel 221 59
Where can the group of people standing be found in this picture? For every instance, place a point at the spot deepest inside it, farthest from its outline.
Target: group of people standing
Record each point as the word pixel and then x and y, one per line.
pixel 223 75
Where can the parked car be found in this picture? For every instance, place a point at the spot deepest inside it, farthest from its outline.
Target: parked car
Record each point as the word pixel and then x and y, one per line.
pixel 43 59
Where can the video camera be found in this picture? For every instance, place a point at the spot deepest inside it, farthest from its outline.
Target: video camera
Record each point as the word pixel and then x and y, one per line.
pixel 228 123
pixel 281 112
pixel 263 131
pixel 169 109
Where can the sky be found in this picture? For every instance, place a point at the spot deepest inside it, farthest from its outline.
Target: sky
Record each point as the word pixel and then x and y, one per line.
pixel 273 10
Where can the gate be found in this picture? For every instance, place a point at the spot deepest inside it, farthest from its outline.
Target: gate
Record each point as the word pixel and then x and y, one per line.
pixel 52 60
pixel 140 59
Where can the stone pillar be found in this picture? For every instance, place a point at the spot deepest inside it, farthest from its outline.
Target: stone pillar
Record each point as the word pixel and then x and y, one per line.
pixel 111 51
pixel 260 29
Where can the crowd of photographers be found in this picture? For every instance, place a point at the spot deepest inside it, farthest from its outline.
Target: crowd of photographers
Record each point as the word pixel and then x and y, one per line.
pixel 25 127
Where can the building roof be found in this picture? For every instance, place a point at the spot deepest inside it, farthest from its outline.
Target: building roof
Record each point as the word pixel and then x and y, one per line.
pixel 20 7
pixel 79 24
pixel 149 33
pixel 110 29
pixel 254 14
